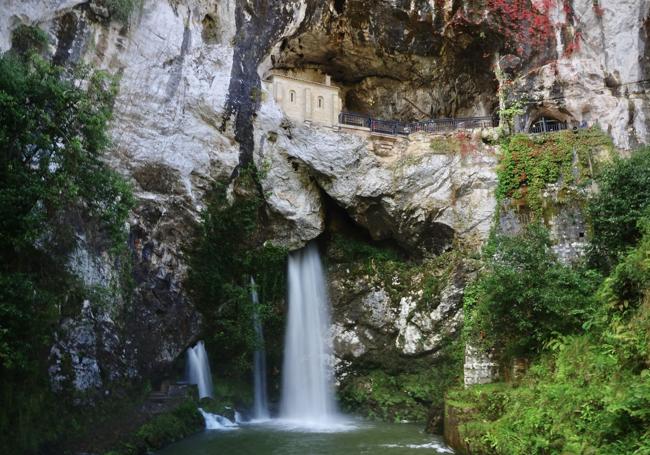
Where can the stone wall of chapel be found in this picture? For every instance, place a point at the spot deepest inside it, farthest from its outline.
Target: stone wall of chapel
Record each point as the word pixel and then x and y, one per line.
pixel 306 101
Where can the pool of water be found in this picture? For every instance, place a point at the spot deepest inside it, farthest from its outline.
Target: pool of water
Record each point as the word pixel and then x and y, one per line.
pixel 275 438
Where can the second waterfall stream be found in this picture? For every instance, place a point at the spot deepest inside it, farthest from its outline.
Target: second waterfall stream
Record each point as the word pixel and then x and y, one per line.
pixel 307 388
pixel 261 402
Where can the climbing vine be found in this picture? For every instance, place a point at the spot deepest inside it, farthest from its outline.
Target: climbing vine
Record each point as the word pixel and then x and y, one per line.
pixel 228 250
pixel 54 184
pixel 519 22
pixel 530 163
pixel 516 24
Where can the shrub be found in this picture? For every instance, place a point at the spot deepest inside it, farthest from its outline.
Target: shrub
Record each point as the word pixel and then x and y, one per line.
pixel 26 39
pixel 623 198
pixel 169 427
pixel 525 295
pixel 161 430
pixel 52 182
pixel 121 10
pixel 589 392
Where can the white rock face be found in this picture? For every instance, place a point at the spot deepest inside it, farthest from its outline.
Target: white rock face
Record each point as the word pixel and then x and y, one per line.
pixel 598 83
pixel 172 92
pixel 291 194
pixel 14 12
pixel 371 324
pixel 420 331
pixel 377 308
pixel 347 340
pixel 401 188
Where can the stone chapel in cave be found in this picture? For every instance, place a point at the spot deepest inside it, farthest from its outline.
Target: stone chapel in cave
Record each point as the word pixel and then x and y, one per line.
pixel 305 100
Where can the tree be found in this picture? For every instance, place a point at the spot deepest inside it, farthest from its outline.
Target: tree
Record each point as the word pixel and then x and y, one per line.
pixel 525 295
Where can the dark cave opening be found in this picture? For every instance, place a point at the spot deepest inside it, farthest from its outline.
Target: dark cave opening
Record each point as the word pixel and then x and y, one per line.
pixel 391 65
pixel 339 223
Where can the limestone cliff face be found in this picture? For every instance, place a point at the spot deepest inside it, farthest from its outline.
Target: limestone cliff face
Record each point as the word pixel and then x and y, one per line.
pixel 601 70
pixel 422 192
pixel 190 110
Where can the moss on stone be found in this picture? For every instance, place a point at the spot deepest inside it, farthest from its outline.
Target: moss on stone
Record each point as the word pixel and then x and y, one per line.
pixel 162 430
pixel 446 145
pixel 408 394
pixel 531 162
pixel 384 268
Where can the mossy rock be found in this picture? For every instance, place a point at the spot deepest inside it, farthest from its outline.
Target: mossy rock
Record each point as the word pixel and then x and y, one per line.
pixel 531 162
pixel 224 408
pixel 163 430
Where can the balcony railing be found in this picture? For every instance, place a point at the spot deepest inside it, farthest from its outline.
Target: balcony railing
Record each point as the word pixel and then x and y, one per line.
pixel 391 127
pixel 349 118
pixel 548 126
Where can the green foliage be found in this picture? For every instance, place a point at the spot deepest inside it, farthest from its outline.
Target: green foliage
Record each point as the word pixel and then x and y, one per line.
pixel 407 395
pixel 631 277
pixel 347 249
pixel 228 251
pixel 26 39
pixel 162 430
pixel 52 182
pixel 529 163
pixel 589 393
pixel 121 10
pixel 623 198
pixel 581 398
pixel 167 428
pixel 508 114
pixel 525 295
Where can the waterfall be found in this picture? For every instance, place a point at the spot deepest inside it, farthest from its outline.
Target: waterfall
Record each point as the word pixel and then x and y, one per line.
pixel 217 422
pixel 307 391
pixel 198 370
pixel 261 403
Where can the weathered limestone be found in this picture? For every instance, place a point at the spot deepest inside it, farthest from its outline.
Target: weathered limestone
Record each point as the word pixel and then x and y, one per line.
pixel 373 324
pixel 598 81
pixel 421 191
pixel 186 73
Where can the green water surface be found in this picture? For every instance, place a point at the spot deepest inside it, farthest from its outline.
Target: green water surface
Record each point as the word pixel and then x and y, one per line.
pixel 270 438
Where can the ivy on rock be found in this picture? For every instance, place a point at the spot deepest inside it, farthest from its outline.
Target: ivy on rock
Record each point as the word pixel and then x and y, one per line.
pixel 229 249
pixel 531 162
pixel 54 184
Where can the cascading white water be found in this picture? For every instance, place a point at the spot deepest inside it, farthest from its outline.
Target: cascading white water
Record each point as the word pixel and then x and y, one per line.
pixel 261 402
pixel 217 422
pixel 307 391
pixel 198 370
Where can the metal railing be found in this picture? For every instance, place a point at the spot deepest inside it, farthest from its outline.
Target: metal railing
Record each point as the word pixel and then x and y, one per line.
pixel 548 126
pixel 349 118
pixel 391 127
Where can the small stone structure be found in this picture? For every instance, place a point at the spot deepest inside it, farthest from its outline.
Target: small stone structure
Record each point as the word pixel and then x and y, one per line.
pixel 480 367
pixel 306 101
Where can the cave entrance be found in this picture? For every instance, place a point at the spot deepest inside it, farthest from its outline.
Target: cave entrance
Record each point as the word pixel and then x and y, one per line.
pixel 546 124
pixel 342 232
pixel 391 64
